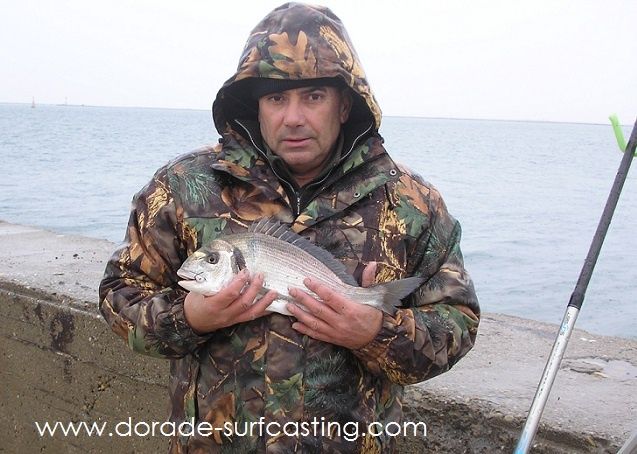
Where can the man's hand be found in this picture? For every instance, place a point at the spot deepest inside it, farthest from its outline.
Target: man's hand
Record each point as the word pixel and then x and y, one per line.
pixel 233 304
pixel 336 319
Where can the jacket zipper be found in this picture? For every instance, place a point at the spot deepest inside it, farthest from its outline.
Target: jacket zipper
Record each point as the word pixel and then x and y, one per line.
pixel 317 183
pixel 265 156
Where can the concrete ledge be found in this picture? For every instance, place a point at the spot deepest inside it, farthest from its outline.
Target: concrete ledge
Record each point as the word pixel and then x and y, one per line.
pixel 60 362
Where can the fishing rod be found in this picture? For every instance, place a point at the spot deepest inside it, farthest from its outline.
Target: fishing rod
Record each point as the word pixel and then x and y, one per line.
pixel 630 447
pixel 577 297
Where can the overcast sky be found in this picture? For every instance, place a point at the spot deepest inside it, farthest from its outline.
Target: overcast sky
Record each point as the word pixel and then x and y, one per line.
pixel 554 60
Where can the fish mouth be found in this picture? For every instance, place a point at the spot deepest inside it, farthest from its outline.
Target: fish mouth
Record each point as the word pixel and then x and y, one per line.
pixel 187 275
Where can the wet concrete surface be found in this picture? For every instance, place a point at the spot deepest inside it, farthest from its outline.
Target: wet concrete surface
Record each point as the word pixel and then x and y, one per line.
pixel 48 299
pixel 61 265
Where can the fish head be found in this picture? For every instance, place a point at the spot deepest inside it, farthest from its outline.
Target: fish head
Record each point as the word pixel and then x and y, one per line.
pixel 210 268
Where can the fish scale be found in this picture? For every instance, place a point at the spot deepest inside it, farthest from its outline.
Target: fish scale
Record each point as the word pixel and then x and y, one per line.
pixel 286 260
pixel 265 254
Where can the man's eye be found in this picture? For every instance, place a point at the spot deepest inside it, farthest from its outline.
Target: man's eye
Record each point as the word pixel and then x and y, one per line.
pixel 315 96
pixel 276 98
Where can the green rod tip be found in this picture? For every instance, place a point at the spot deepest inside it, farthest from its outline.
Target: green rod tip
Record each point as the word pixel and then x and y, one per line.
pixel 619 134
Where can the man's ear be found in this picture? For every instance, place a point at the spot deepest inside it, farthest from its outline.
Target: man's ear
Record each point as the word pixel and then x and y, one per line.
pixel 346 104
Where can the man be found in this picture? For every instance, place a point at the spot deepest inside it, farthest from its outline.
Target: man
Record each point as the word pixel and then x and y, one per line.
pixel 300 144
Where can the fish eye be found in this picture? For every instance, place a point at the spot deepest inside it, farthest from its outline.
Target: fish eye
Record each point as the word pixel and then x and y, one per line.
pixel 213 258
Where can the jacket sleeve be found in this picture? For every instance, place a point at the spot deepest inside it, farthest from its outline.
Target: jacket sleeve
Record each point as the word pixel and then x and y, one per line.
pixel 139 295
pixel 439 322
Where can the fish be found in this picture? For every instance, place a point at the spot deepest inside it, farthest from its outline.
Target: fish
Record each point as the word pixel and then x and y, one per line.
pixel 285 259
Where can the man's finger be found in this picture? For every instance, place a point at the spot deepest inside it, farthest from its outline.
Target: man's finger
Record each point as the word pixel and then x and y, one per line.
pixel 233 290
pixel 247 299
pixel 260 306
pixel 322 291
pixel 332 303
pixel 250 293
pixel 369 274
pixel 304 329
pixel 317 308
pixel 308 323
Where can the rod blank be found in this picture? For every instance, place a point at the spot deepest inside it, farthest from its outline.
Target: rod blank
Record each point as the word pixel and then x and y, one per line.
pixel 575 302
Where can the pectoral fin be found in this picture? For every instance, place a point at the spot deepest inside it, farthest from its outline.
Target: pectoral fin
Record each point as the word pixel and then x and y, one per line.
pixel 395 291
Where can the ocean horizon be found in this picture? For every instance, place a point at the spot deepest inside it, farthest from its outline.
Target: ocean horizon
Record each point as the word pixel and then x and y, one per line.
pixel 515 120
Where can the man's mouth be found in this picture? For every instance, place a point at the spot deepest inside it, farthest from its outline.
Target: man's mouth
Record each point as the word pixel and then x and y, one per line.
pixel 296 141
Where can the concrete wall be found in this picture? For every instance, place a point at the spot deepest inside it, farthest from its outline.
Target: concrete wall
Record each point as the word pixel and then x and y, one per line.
pixel 60 362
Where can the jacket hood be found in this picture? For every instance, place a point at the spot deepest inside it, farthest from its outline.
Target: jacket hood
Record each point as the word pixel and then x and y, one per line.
pixel 295 42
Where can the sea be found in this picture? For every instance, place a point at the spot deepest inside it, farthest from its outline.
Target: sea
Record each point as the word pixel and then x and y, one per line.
pixel 528 195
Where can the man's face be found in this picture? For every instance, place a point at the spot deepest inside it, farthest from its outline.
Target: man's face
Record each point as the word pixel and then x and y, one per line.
pixel 301 126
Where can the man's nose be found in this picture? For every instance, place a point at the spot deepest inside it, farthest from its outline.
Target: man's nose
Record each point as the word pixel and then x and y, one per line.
pixel 294 115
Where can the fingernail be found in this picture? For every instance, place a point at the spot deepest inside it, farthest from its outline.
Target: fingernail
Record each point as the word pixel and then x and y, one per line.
pixel 293 292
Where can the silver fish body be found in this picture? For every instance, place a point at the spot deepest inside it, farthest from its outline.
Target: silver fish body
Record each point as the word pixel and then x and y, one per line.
pixel 285 259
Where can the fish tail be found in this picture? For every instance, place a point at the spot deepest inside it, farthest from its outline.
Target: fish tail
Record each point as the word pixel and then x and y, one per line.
pixel 395 291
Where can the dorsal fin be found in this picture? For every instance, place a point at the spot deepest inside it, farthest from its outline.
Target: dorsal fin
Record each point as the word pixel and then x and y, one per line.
pixel 274 228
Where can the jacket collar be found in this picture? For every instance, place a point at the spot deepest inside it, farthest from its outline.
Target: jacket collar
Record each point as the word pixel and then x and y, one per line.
pixel 243 157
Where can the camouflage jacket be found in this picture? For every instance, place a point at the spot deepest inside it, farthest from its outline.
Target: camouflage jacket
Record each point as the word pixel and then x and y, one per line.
pixel 367 208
